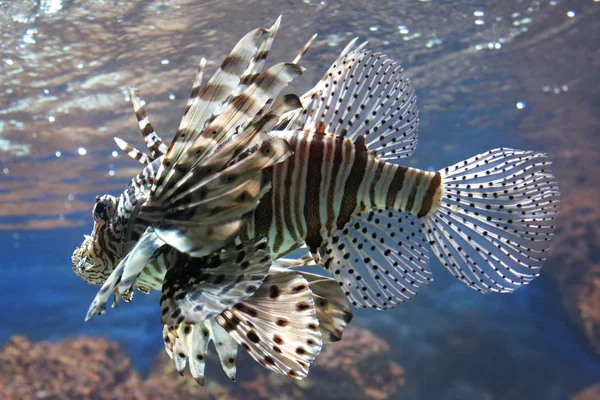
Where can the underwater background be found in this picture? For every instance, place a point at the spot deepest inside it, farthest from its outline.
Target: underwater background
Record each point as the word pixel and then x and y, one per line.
pixel 520 73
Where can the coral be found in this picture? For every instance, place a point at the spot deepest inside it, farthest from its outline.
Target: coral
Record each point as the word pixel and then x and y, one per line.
pixel 589 393
pixel 358 367
pixel 81 368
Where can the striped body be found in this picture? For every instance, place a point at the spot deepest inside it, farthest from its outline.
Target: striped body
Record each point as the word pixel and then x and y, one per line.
pixel 326 181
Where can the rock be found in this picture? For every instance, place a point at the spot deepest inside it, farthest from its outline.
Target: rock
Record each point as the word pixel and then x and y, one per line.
pixel 165 383
pixel 574 263
pixel 81 368
pixel 589 393
pixel 357 367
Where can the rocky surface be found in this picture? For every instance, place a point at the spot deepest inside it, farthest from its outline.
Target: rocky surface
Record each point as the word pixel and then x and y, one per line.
pixel 80 368
pixel 574 263
pixel 568 129
pixel 358 367
pixel 589 393
pixel 94 368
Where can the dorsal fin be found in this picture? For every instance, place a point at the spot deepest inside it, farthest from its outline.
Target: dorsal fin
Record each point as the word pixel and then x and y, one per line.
pixel 364 94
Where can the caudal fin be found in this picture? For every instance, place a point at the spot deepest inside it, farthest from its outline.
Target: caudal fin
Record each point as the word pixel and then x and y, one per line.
pixel 495 218
pixel 489 220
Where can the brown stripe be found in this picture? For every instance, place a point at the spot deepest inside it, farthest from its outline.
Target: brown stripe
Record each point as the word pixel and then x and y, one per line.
pixel 243 102
pixel 261 55
pixel 287 207
pixel 277 194
pixel 234 64
pixel 357 173
pixel 263 214
pixel 376 178
pixel 140 113
pixel 215 91
pixel 311 198
pixel 338 144
pixel 413 192
pixel 266 79
pixel 148 129
pixel 195 91
pixel 248 79
pixel 395 187
pixel 302 158
pixel 428 200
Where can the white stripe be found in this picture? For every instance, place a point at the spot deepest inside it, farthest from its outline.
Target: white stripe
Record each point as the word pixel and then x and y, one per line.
pixel 409 182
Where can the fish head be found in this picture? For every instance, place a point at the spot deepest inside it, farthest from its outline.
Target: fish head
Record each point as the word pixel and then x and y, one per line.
pixel 97 257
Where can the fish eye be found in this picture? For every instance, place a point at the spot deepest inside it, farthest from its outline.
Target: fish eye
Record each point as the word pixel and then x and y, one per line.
pixel 104 208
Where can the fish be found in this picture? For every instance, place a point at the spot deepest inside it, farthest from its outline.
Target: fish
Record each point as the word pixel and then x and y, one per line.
pixel 303 310
pixel 337 188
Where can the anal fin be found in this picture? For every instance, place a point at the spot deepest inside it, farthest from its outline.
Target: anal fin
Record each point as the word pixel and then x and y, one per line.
pixel 379 257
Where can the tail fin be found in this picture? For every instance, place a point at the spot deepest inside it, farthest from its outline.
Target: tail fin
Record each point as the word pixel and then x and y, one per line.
pixel 495 218
pixel 489 221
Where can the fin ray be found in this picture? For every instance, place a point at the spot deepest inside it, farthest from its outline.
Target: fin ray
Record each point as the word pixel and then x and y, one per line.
pixel 278 326
pixel 495 219
pixel 198 289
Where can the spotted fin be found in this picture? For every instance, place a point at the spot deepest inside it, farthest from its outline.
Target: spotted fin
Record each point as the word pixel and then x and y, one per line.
pixel 380 258
pixel 365 95
pixel 493 226
pixel 331 308
pixel 278 326
pixel 333 311
pixel 189 342
pixel 198 289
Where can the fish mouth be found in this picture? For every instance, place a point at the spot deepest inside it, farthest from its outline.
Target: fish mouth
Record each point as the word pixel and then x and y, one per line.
pixel 81 262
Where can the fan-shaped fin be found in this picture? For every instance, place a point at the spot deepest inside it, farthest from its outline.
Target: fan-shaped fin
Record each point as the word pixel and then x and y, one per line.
pixel 198 289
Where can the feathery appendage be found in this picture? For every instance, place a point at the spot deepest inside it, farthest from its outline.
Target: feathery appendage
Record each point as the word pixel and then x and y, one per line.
pixel 282 326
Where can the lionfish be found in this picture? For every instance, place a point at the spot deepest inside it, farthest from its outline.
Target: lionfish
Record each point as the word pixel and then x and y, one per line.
pixel 251 176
